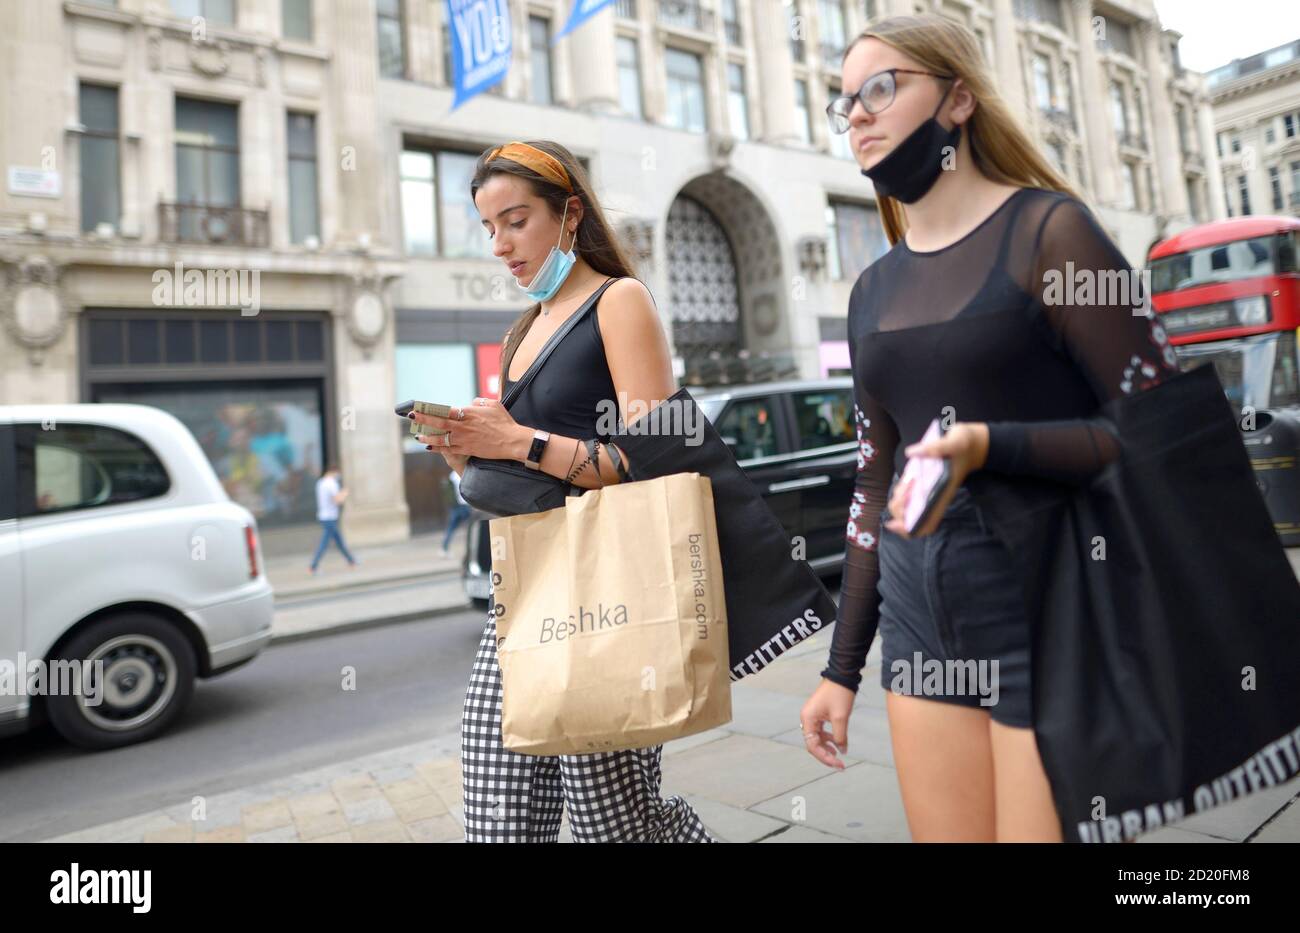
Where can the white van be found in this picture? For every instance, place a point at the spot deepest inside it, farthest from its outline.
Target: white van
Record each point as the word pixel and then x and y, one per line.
pixel 119 549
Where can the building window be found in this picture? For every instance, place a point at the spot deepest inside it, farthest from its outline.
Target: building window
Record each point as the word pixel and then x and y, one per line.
pixel 832 40
pixel 438 215
pixel 214 11
pixel 1236 144
pixel 1116 36
pixel 855 239
pixel 101 172
pixel 1244 191
pixel 1130 187
pixel 629 76
pixel 295 19
pixel 1118 111
pixel 1275 183
pixel 737 101
pixel 392 52
pixel 207 153
pixel 1295 183
pixel 802 113
pixel 1041 11
pixel 539 41
pixel 840 145
pixel 418 198
pixel 447 62
pixel 1290 124
pixel 1180 117
pixel 731 23
pixel 685 90
pixel 1057 153
pixel 1193 200
pixel 1043 81
pixel 1270 134
pixel 1218 143
pixel 304 219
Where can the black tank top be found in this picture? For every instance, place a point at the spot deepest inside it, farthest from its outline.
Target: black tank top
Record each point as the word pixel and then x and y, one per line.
pixel 565 396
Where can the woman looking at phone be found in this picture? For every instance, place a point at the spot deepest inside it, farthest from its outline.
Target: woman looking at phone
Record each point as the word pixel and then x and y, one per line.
pixel 959 322
pixel 547 227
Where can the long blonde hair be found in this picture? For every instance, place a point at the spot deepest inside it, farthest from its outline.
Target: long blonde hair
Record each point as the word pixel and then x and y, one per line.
pixel 999 145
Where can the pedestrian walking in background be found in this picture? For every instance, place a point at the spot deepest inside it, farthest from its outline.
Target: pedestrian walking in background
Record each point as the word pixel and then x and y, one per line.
pixel 459 511
pixel 330 495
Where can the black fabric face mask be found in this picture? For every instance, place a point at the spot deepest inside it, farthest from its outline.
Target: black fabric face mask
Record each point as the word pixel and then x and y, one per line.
pixel 912 168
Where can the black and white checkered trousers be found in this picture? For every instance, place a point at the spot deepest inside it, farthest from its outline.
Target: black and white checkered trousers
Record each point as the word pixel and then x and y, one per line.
pixel 509 797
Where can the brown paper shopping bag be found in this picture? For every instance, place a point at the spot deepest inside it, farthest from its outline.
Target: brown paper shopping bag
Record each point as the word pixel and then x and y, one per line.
pixel 611 621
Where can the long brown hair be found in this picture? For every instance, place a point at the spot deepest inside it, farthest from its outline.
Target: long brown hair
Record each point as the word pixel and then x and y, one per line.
pixel 596 242
pixel 999 145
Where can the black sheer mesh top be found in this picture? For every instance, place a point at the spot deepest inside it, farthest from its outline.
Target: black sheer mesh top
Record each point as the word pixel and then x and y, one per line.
pixel 1028 323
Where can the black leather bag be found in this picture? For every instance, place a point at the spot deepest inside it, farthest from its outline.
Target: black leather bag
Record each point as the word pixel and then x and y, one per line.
pixel 507 487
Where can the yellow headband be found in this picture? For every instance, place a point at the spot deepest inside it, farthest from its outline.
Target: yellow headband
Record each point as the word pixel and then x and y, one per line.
pixel 540 162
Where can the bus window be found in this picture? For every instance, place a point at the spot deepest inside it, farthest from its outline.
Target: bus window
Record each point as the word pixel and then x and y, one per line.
pixel 1286 252
pixel 1259 371
pixel 1240 260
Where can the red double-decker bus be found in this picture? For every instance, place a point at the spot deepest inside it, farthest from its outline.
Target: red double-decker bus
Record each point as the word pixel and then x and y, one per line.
pixel 1229 292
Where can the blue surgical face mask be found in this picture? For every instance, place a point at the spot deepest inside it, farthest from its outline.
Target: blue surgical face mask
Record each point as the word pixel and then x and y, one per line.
pixel 554 271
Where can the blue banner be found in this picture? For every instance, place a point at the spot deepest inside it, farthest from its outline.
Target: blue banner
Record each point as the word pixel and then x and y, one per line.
pixel 480 36
pixel 582 11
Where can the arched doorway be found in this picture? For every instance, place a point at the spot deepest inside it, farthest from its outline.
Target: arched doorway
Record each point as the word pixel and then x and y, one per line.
pixel 702 285
pixel 725 285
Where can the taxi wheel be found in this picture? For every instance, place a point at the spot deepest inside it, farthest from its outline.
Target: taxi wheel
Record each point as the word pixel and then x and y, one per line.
pixel 137 674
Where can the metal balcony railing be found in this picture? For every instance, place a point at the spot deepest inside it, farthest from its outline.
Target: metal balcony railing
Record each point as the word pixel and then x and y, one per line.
pixel 685 13
pixel 1133 140
pixel 1058 117
pixel 207 223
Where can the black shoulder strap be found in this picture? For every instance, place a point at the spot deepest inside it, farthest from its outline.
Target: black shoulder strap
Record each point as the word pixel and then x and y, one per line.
pixel 517 386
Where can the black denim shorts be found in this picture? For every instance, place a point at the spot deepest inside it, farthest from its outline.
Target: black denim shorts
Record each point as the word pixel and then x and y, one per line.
pixel 952 620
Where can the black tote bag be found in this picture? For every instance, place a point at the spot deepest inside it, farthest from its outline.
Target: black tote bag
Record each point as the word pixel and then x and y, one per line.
pixel 773 600
pixel 1165 616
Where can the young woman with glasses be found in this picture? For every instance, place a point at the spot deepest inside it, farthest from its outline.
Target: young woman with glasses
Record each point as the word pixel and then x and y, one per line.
pixel 960 322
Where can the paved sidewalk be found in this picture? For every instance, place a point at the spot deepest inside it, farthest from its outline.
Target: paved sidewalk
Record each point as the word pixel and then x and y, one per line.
pixel 392 583
pixel 750 781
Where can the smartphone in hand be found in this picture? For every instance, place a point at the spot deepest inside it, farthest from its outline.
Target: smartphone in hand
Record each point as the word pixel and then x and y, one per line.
pixel 424 408
pixel 931 476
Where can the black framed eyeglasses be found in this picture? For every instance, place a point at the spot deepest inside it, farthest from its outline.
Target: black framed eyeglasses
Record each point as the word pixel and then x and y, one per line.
pixel 876 93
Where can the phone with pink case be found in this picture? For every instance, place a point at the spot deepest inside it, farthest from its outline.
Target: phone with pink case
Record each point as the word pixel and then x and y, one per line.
pixel 930 475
